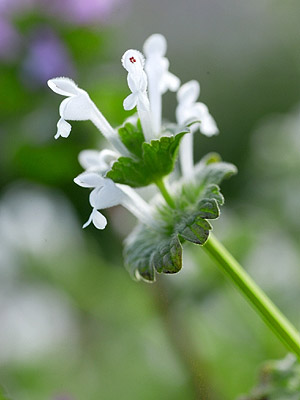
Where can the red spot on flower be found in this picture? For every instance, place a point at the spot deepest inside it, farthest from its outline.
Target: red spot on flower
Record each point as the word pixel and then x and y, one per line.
pixel 132 60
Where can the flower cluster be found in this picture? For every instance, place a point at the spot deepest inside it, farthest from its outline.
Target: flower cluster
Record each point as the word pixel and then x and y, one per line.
pixel 145 144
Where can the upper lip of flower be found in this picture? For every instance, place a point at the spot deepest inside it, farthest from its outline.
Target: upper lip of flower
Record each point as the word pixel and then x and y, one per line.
pixel 63 86
pixel 79 107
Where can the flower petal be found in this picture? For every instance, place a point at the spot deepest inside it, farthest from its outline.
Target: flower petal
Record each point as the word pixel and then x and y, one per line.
pixel 63 86
pixel 89 180
pixel 99 220
pixel 106 159
pixel 170 82
pixel 133 61
pixel 208 125
pixel 89 159
pixel 130 102
pixel 97 161
pixel 76 108
pixel 63 129
pixel 189 92
pixel 107 195
pixel 155 44
pixel 95 197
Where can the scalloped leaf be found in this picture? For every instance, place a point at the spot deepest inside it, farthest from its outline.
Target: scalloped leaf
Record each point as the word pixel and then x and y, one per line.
pixel 148 251
pixel 156 160
pixel 211 170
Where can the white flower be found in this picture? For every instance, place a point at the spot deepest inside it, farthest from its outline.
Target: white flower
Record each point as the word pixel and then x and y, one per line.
pixel 150 73
pixel 188 111
pixel 159 78
pixel 97 161
pixel 133 61
pixel 79 107
pixel 97 219
pixel 107 194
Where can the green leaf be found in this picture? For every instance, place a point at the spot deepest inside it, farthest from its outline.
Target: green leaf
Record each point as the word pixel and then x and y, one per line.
pixel 133 138
pixel 149 250
pixel 168 256
pixel 279 380
pixel 212 191
pixel 155 160
pixel 194 227
pixel 209 171
pixel 212 170
pixel 159 249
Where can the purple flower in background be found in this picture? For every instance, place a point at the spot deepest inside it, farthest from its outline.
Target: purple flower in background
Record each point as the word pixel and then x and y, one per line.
pixel 84 12
pixel 47 57
pixel 12 7
pixel 9 40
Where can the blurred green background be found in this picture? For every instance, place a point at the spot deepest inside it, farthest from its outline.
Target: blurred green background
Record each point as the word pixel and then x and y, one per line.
pixel 73 324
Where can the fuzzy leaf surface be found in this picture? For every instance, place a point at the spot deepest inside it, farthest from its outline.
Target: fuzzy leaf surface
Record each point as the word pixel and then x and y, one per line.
pixel 159 250
pixel 151 162
pixel 133 138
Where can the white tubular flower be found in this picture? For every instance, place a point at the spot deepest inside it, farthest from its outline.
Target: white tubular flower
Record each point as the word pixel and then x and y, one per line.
pixel 97 161
pixel 188 111
pixel 133 62
pixel 159 78
pixel 79 107
pixel 107 194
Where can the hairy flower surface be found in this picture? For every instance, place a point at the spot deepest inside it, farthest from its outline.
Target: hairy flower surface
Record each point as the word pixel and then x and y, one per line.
pixel 145 152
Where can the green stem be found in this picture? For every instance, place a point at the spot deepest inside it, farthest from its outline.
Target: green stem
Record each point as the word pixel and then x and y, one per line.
pixel 161 186
pixel 281 326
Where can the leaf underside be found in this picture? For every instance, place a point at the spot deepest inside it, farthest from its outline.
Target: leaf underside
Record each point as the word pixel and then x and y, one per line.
pixel 149 251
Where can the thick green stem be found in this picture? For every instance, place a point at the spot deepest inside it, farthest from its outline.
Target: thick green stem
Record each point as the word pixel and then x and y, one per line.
pixel 281 326
pixel 161 186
